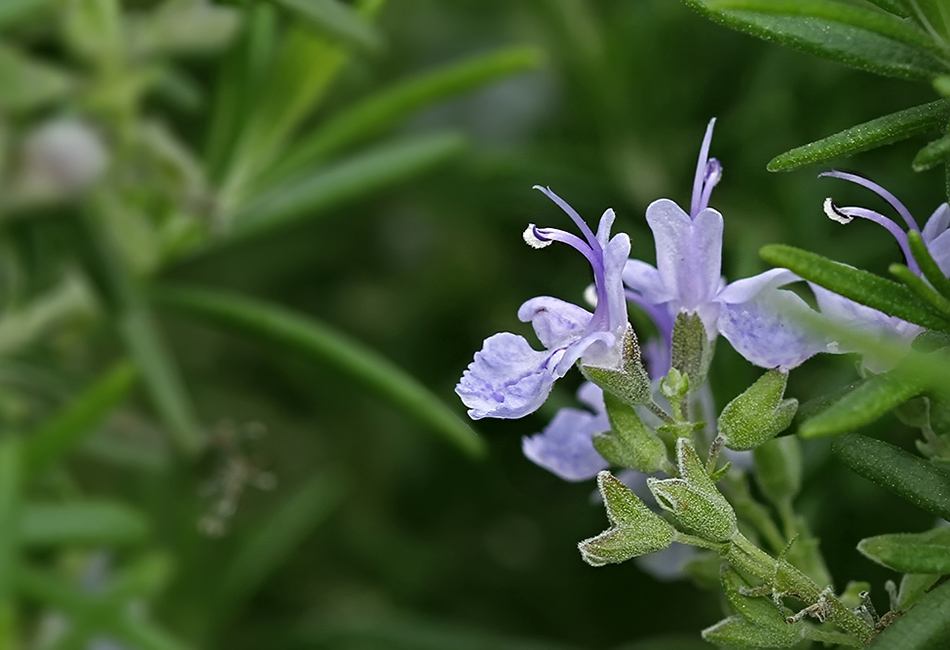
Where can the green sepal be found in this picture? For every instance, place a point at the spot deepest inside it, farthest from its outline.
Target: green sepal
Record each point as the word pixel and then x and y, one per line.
pixel 758 414
pixel 692 351
pixel 635 529
pixel 913 587
pixel 927 552
pixel 630 383
pixel 629 443
pixel 700 512
pixel 778 469
pixel 738 632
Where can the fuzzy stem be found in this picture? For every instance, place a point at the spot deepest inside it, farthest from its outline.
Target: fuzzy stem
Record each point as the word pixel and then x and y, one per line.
pixel 787 579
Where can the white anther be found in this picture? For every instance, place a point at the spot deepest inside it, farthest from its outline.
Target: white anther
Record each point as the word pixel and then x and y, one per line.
pixel 832 212
pixel 531 237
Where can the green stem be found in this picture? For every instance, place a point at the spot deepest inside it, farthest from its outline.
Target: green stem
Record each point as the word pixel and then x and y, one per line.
pixel 785 578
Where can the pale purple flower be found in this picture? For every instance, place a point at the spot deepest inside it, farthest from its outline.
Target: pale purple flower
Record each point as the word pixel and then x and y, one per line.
pixel 855 316
pixel 755 315
pixel 509 378
pixel 565 447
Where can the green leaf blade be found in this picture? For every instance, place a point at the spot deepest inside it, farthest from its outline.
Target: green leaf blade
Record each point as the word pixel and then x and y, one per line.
pixel 871 399
pixel 312 194
pixel 927 552
pixel 87 523
pixel 857 37
pixel 875 133
pixel 858 285
pixel 314 340
pixel 335 20
pixel 908 476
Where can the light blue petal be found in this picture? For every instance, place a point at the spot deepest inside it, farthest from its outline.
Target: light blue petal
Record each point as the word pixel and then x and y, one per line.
pixel 566 447
pixel 507 379
pixel 688 252
pixel 764 330
pixel 937 224
pixel 555 321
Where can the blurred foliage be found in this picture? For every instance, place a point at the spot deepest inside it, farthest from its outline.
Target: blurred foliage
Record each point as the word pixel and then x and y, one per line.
pixel 177 486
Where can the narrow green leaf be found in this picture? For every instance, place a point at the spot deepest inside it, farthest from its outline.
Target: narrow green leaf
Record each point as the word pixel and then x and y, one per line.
pixel 913 587
pixel 313 193
pixel 304 336
pixel 908 476
pixel 133 320
pixel 920 287
pixel 858 37
pixel 29 83
pixel 239 71
pixel 56 437
pixel 926 625
pixel 928 266
pixel 761 611
pixel 858 285
pixel 336 20
pixel 269 543
pixel 933 16
pixel 88 523
pixel 935 153
pixel 385 108
pixel 868 401
pixel 927 552
pixel 896 7
pixel 847 15
pixel 302 68
pixel 878 132
pixel 739 632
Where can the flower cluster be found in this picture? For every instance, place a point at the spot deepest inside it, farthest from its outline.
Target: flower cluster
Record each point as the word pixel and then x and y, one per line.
pixel 510 379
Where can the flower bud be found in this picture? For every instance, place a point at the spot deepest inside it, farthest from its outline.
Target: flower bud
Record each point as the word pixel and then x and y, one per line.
pixel 759 414
pixel 706 515
pixel 62 157
pixel 635 529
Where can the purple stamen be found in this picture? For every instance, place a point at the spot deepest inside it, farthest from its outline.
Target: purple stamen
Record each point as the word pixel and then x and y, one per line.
pixel 575 242
pixel 702 171
pixel 884 222
pixel 892 200
pixel 572 213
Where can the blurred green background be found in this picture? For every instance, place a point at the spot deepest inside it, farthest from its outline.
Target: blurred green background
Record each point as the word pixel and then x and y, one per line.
pixel 376 533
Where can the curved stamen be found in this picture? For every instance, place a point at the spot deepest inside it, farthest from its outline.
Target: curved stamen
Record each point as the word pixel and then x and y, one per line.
pixel 713 176
pixel 545 236
pixel 702 169
pixel 891 200
pixel 845 215
pixel 572 213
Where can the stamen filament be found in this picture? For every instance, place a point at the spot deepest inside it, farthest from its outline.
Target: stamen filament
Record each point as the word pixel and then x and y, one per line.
pixel 887 224
pixel 892 200
pixel 572 213
pixel 701 169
